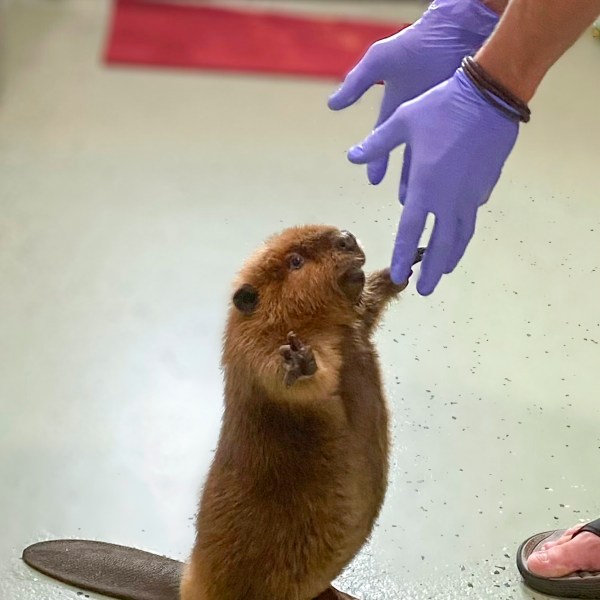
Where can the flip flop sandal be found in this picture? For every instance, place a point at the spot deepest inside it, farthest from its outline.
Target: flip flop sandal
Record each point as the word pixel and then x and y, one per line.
pixel 581 584
pixel 116 571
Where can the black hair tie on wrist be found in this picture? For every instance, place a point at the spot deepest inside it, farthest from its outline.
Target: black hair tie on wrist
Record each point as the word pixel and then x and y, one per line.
pixel 492 91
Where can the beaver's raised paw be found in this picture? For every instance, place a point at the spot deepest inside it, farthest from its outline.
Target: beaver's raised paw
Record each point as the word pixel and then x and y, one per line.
pixel 298 359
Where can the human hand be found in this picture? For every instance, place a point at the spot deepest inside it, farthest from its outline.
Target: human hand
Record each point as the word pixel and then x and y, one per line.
pixel 416 59
pixel 456 146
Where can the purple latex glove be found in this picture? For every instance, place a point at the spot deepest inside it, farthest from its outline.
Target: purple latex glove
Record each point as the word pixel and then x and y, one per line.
pixel 414 60
pixel 456 145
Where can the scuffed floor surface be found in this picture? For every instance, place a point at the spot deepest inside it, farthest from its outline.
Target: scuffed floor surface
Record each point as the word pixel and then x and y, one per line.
pixel 128 200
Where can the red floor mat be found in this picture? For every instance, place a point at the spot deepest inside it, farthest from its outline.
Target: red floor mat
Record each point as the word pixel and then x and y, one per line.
pixel 145 32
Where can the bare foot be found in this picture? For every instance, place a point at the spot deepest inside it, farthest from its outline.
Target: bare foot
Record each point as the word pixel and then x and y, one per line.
pixel 567 555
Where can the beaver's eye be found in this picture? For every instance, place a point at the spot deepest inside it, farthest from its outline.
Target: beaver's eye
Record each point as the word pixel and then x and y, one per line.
pixel 295 261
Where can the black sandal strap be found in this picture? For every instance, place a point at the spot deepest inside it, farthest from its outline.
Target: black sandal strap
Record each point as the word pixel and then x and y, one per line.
pixel 593 527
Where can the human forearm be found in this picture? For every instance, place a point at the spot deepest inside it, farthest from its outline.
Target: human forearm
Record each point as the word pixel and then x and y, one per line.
pixel 531 36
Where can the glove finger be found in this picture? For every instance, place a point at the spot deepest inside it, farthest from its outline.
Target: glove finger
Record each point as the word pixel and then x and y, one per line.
pixel 392 99
pixel 436 257
pixel 382 140
pixel 405 174
pixel 410 229
pixel 377 169
pixel 464 232
pixel 357 82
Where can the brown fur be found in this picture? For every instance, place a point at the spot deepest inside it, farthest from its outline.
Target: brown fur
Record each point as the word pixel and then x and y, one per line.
pixel 300 472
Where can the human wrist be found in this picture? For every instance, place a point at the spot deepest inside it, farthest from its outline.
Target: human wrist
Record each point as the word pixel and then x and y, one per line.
pixel 531 36
pixel 522 79
pixel 495 94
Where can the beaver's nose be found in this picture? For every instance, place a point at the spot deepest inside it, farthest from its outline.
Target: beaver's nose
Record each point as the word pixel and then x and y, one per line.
pixel 346 242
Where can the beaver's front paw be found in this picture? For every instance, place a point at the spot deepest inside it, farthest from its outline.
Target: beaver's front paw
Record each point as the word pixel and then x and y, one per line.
pixel 298 359
pixel 381 280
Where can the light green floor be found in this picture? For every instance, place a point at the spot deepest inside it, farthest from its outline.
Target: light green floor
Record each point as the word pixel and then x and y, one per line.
pixel 128 199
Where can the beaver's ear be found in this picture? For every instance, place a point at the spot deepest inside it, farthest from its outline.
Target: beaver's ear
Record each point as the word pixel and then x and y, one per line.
pixel 245 299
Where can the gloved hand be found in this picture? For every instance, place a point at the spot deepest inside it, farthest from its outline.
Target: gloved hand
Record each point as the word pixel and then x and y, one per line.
pixel 414 60
pixel 456 145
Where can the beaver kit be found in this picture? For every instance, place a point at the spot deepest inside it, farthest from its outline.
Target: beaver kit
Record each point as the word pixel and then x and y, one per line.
pixel 300 471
